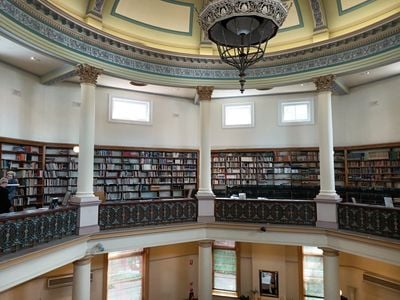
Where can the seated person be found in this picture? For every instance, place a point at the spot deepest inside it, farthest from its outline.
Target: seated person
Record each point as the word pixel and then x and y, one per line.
pixel 4 200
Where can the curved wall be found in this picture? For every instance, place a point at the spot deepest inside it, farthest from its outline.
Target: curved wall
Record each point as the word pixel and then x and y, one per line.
pixel 32 111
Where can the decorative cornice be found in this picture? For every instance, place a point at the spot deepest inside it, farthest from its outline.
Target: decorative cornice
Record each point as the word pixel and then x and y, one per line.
pixel 325 83
pixel 88 74
pixel 204 92
pixel 53 27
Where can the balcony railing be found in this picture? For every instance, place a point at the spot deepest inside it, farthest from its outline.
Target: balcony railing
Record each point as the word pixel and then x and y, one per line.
pixel 376 220
pixel 146 212
pixel 288 212
pixel 30 228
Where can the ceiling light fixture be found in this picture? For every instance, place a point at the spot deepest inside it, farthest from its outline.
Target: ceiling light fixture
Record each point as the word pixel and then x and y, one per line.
pixel 34 58
pixel 242 28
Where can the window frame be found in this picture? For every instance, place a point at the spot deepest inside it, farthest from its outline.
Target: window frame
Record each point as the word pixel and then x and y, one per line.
pixel 144 253
pixel 221 292
pixel 310 109
pixel 110 110
pixel 252 123
pixel 303 255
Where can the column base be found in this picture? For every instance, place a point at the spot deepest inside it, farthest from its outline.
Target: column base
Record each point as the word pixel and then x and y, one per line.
pixel 88 214
pixel 328 196
pixel 206 206
pixel 327 212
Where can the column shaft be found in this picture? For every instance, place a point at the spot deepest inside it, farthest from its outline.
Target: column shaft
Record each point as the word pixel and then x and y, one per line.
pixel 86 141
pixel 331 275
pixel 205 270
pixel 81 282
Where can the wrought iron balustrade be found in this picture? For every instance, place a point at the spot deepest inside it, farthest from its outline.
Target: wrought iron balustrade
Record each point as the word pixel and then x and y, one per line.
pixel 148 212
pixel 369 219
pixel 287 212
pixel 30 228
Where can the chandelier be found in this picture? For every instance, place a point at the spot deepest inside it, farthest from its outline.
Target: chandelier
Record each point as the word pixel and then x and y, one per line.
pixel 242 28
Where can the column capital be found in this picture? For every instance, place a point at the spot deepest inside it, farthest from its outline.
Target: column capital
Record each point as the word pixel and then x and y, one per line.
pixel 205 243
pixel 87 73
pixel 83 261
pixel 325 83
pixel 204 92
pixel 329 251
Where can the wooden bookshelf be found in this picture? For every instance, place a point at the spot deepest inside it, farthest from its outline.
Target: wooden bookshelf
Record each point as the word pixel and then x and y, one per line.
pixel 129 174
pixel 367 166
pixel 26 160
pixel 60 172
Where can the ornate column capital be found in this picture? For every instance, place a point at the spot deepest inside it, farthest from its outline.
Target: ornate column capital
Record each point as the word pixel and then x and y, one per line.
pixel 204 92
pixel 329 251
pixel 88 74
pixel 325 83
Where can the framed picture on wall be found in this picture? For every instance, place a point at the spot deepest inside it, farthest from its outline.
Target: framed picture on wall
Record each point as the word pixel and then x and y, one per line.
pixel 269 286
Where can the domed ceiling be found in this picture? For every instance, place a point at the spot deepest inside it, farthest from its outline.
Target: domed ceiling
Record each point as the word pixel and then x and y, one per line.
pixel 159 41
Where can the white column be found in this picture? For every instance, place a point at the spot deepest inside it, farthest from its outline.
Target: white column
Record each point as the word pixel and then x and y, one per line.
pixel 205 195
pixel 331 274
pixel 84 198
pixel 81 281
pixel 327 197
pixel 205 270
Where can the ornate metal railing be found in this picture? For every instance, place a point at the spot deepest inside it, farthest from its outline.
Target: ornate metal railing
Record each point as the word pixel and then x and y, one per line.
pixel 148 212
pixel 30 228
pixel 290 212
pixel 376 220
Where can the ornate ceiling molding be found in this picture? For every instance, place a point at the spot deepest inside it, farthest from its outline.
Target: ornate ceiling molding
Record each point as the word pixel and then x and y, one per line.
pixel 319 15
pixel 51 26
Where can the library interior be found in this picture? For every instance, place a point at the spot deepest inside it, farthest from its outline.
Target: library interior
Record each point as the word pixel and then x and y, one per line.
pixel 200 149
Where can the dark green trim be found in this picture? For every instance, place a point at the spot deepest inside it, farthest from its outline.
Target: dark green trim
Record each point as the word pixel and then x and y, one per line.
pixel 342 12
pixel 299 14
pixel 145 25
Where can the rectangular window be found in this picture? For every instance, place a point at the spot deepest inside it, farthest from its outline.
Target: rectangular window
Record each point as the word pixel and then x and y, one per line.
pixel 225 268
pixel 313 273
pixel 125 275
pixel 130 111
pixel 238 115
pixel 299 112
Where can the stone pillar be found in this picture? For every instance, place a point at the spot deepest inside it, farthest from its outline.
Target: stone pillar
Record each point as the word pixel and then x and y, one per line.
pixel 331 274
pixel 84 198
pixel 327 197
pixel 205 270
pixel 205 195
pixel 81 281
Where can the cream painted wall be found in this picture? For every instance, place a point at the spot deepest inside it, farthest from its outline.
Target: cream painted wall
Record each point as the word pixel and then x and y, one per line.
pixel 51 114
pixel 172 269
pixel 351 277
pixel 368 115
pixel 36 289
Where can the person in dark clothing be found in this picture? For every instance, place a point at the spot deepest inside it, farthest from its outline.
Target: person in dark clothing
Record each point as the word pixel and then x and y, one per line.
pixel 4 201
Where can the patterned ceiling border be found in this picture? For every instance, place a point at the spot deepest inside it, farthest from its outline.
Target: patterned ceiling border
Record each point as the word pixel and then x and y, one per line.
pixel 149 26
pixel 342 12
pixel 72 36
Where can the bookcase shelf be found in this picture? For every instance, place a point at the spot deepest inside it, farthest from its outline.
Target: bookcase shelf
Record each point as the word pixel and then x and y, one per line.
pixel 363 167
pixel 61 171
pixel 131 174
pixel 26 160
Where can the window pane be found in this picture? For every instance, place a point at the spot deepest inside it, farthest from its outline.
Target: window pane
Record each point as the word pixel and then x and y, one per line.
pixel 313 275
pixel 130 110
pixel 224 269
pixel 226 244
pixel 236 115
pixel 125 278
pixel 296 111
